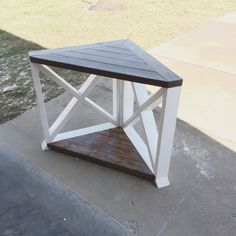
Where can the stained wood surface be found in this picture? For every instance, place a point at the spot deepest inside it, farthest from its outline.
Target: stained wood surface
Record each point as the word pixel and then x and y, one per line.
pixel 111 148
pixel 121 59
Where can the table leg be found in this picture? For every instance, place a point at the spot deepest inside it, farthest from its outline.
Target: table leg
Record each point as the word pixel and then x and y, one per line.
pixel 42 109
pixel 166 135
pixel 155 148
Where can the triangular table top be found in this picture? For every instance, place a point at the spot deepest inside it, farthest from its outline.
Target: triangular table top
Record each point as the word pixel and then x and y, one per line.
pixel 121 59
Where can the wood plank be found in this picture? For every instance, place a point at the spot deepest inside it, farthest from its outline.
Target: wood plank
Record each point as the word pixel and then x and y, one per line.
pixel 155 64
pixel 116 50
pixel 112 71
pixel 93 45
pixel 113 55
pixel 121 59
pixel 110 148
pixel 109 61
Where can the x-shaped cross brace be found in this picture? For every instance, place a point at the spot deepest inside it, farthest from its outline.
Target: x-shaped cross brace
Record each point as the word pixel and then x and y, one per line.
pixel 156 142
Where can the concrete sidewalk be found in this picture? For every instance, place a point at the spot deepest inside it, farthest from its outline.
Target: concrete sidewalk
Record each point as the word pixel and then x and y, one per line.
pixel 200 201
pixel 206 59
pixel 34 203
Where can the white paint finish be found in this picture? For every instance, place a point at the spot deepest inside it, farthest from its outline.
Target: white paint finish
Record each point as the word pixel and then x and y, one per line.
pixel 133 122
pixel 139 145
pixel 148 121
pixel 150 104
pixel 62 119
pixel 59 80
pixel 44 145
pixel 79 95
pixel 120 101
pixel 84 131
pixel 166 135
pixel 128 102
pixel 99 109
pixel 115 97
pixel 157 103
pixel 162 182
pixel 88 85
pixel 39 95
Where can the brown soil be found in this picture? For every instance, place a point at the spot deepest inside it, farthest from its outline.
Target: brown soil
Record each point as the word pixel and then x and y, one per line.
pixel 107 5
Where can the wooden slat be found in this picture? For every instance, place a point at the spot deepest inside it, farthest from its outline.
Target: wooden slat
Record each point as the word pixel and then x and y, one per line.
pixel 114 55
pixel 109 61
pixel 166 73
pixel 110 148
pixel 114 71
pixel 94 45
pixel 120 59
pixel 116 50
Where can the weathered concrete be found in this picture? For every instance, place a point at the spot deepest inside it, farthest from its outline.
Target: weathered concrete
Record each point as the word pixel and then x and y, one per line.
pixel 211 45
pixel 206 59
pixel 200 201
pixel 32 202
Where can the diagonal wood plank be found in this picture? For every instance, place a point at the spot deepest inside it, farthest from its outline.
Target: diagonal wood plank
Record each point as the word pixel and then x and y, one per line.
pixel 110 148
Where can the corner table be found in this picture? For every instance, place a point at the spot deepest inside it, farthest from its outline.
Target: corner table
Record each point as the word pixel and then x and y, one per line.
pixel 116 143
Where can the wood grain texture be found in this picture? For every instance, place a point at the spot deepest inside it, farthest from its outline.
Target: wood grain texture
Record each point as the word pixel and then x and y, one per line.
pixel 121 59
pixel 111 148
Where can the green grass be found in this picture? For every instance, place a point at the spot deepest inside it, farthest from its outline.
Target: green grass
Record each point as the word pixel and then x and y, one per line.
pixel 30 25
pixel 52 23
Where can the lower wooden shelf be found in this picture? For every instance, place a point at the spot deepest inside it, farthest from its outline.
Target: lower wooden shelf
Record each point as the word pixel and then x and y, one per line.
pixel 111 148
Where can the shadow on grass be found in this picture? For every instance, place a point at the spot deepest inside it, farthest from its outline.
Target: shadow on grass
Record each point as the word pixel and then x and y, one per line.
pixel 16 85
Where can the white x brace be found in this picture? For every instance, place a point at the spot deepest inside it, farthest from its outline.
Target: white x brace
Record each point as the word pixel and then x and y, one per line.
pixel 156 143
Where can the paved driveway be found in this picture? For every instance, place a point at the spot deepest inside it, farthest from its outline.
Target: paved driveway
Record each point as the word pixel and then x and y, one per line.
pixel 206 59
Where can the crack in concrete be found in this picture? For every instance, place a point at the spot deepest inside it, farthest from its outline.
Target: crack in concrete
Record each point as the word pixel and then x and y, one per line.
pixel 171 217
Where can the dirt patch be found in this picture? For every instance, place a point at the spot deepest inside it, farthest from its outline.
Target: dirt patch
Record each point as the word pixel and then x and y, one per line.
pixel 16 86
pixel 107 5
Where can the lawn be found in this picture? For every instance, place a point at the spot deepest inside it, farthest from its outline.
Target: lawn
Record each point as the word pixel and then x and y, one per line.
pixel 28 25
pixel 52 23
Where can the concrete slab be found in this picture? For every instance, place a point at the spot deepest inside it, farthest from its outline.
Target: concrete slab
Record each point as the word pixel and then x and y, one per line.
pixel 32 202
pixel 228 18
pixel 211 45
pixel 200 201
pixel 207 100
pixel 206 59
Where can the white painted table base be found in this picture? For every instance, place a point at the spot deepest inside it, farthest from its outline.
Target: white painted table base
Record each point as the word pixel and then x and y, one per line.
pixel 155 146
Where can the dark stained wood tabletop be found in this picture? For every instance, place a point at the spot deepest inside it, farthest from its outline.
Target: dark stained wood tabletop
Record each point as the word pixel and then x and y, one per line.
pixel 121 59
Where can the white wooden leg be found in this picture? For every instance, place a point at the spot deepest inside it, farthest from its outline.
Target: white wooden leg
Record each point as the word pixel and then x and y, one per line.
pixel 166 135
pixel 115 95
pixel 156 151
pixel 118 90
pixel 41 105
pixel 128 101
pixel 121 101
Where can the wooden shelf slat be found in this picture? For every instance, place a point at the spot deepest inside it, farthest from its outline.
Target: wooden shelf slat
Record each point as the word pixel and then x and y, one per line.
pixel 121 59
pixel 111 148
